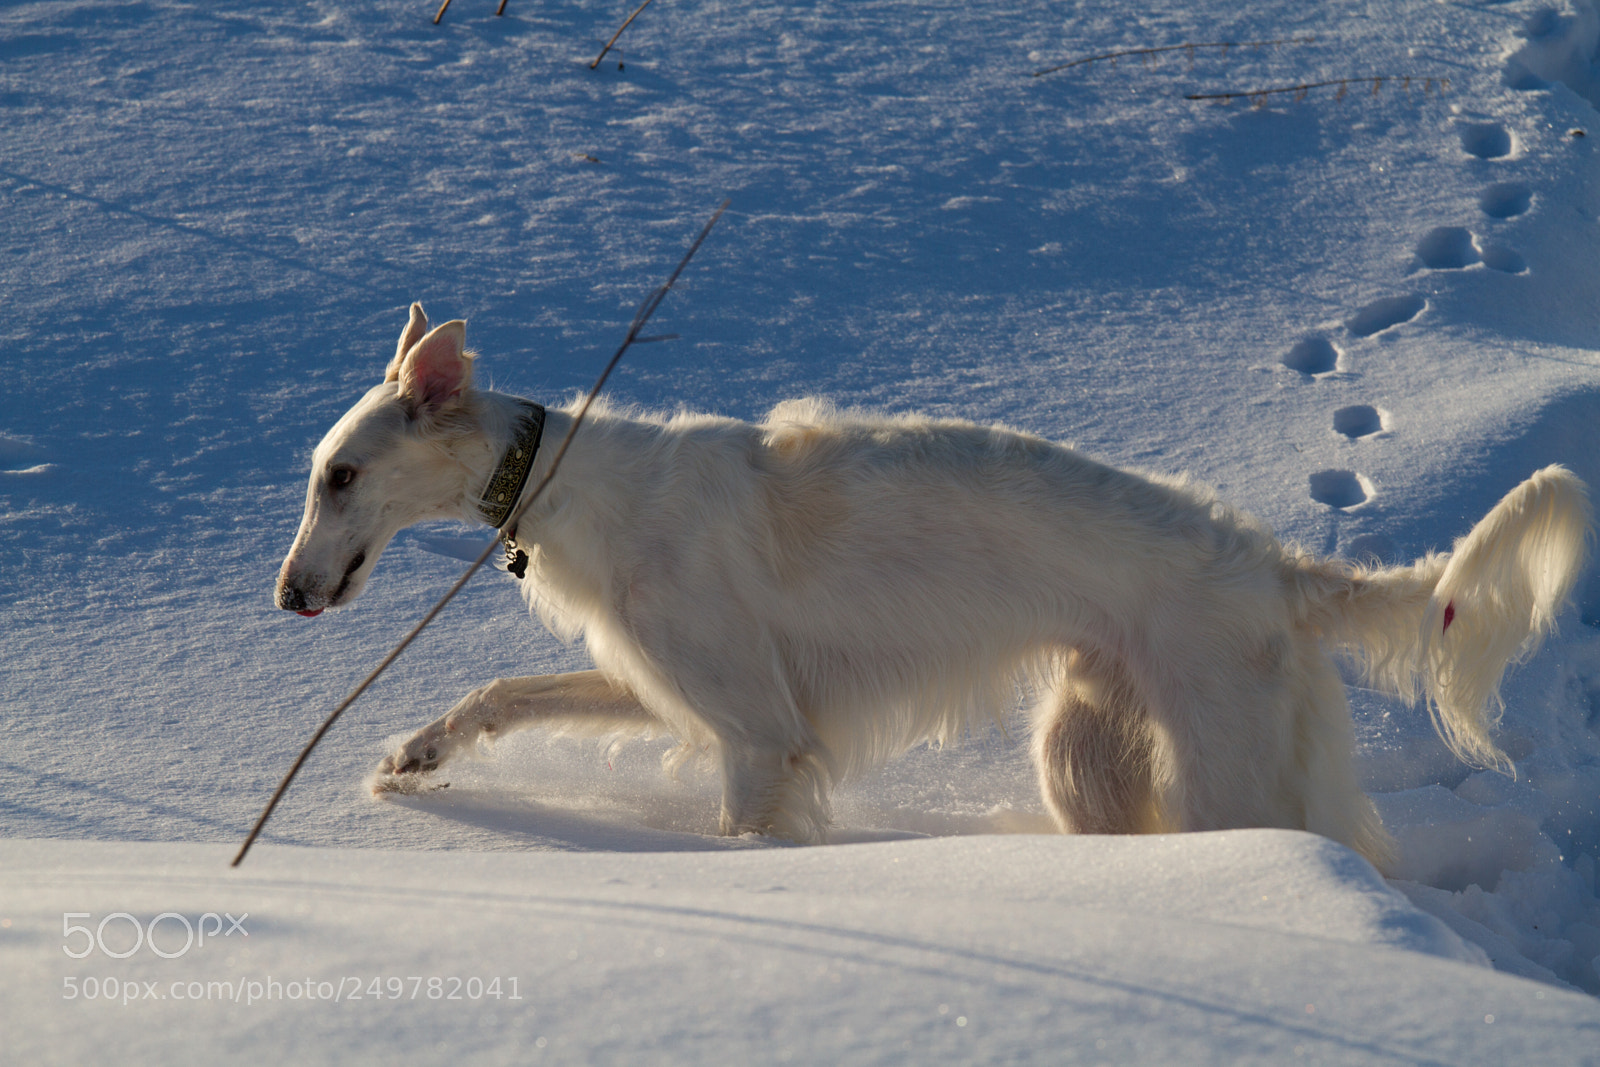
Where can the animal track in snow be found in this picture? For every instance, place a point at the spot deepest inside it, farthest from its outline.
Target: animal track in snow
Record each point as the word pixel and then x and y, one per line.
pixel 1504 200
pixel 1382 314
pixel 1312 355
pixel 1501 258
pixel 1454 248
pixel 1358 420
pixel 1339 488
pixel 1447 248
pixel 1486 140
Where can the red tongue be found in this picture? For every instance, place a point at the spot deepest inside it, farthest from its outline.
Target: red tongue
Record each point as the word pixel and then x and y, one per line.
pixel 310 614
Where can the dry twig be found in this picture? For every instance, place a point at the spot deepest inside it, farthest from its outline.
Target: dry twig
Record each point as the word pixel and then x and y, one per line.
pixel 501 10
pixel 614 36
pixel 1258 97
pixel 1147 53
pixel 642 316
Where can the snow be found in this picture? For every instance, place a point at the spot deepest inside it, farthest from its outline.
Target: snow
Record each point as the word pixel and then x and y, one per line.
pixel 1362 316
pixel 989 949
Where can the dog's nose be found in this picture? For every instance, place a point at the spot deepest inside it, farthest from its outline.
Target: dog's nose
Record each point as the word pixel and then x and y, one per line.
pixel 290 597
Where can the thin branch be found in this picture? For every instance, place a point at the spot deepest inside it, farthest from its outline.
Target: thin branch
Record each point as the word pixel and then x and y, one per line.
pixel 1146 53
pixel 642 316
pixel 614 36
pixel 1259 96
pixel 501 10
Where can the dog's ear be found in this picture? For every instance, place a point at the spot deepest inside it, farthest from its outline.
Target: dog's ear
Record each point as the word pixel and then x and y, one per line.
pixel 436 368
pixel 408 338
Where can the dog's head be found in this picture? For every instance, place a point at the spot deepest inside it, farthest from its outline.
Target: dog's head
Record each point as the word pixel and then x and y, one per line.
pixel 391 461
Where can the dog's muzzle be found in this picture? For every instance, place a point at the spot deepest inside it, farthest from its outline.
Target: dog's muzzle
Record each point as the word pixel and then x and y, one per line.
pixel 292 598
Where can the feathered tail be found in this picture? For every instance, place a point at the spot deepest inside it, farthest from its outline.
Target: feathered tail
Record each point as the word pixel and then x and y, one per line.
pixel 1447 626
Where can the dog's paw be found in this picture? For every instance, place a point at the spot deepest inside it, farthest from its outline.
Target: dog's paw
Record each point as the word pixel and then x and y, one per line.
pixel 411 759
pixel 409 768
pixel 384 783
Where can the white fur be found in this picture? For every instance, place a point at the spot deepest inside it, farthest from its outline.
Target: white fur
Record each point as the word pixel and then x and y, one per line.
pixel 812 594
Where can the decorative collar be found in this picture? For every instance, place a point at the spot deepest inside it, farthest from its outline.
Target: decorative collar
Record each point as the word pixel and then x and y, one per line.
pixel 511 476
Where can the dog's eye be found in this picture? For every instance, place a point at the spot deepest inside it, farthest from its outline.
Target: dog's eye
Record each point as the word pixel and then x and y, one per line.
pixel 341 477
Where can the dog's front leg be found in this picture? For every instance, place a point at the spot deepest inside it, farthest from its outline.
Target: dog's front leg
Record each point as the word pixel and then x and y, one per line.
pixel 585 701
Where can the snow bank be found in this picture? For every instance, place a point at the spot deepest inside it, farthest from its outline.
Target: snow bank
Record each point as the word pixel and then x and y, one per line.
pixel 1241 947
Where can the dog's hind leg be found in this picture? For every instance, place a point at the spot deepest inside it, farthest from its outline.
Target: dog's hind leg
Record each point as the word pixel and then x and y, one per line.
pixel 1095 754
pixel 1325 775
pixel 583 702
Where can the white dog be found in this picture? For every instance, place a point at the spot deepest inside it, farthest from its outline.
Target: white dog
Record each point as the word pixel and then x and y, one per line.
pixel 809 595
